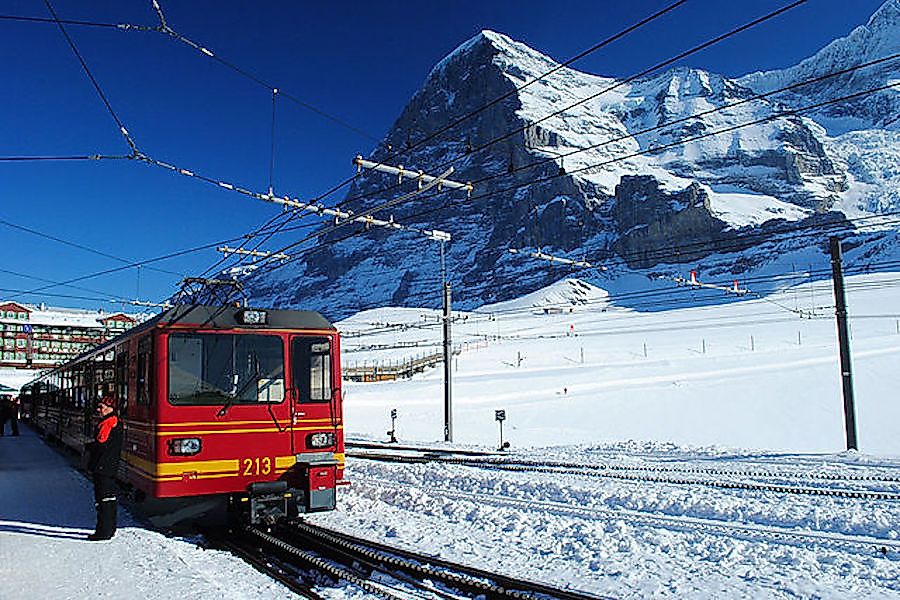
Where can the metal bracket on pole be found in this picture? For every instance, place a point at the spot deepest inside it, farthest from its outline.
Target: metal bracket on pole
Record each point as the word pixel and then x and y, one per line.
pixel 257 253
pixel 693 282
pixel 419 176
pixel 557 259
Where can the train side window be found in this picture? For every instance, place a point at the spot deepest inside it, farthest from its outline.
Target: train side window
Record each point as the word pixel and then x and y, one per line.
pixel 311 368
pixel 122 381
pixel 143 371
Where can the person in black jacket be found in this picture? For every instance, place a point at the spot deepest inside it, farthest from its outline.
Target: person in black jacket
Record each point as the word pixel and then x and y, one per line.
pixel 103 463
pixel 10 410
pixel 4 412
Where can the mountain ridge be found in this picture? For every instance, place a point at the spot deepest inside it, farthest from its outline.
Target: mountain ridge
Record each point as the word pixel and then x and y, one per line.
pixel 607 179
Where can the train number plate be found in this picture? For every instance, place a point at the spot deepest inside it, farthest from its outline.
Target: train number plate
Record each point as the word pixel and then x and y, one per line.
pixel 256 466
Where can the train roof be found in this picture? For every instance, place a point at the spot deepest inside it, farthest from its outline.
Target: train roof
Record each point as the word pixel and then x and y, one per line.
pixel 228 317
pixel 211 317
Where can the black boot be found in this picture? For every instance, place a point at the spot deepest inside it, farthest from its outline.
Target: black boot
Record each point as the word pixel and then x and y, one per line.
pixel 106 520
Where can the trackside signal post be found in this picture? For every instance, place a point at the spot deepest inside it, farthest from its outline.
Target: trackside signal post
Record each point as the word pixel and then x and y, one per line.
pixel 500 416
pixel 840 311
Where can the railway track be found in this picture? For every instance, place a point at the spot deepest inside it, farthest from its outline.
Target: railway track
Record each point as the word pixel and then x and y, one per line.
pixel 868 546
pixel 420 449
pixel 298 554
pixel 284 573
pixel 652 474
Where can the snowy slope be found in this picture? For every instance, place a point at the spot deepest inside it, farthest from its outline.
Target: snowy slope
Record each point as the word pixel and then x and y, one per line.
pixel 696 374
pixel 878 38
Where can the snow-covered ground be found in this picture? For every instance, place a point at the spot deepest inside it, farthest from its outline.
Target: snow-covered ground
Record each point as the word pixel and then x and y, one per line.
pixel 762 373
pixel 748 390
pixel 47 511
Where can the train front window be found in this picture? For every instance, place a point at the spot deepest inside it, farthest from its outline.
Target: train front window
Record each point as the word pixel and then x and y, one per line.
pixel 311 368
pixel 214 369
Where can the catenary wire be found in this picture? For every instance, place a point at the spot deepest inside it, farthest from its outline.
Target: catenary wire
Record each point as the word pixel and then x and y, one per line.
pixel 90 75
pixel 77 245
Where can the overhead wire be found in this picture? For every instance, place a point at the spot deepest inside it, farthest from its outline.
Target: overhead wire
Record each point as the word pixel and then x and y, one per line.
pixel 109 107
pixel 139 263
pixel 164 26
pixel 90 75
pixel 28 19
pixel 69 157
pixel 718 132
pixel 166 29
pixel 691 117
pixel 629 299
pixel 76 245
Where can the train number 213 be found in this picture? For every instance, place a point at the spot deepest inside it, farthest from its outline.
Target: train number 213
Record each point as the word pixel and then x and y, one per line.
pixel 256 466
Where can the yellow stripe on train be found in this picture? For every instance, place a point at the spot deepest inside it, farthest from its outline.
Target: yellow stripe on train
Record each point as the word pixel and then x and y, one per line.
pixel 221 431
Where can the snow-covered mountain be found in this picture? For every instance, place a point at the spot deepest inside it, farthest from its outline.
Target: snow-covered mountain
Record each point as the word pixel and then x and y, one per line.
pixel 645 176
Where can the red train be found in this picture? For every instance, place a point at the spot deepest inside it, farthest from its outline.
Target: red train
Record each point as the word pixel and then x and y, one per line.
pixel 224 409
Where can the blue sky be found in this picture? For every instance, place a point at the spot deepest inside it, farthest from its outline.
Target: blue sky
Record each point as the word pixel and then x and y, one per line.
pixel 358 61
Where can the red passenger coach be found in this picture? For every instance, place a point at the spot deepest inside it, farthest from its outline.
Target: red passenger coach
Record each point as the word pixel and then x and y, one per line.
pixel 222 407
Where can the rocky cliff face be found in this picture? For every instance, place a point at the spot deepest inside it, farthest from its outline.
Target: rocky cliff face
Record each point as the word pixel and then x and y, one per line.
pixel 635 169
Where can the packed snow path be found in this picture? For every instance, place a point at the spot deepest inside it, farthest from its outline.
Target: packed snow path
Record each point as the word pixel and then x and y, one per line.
pixel 47 511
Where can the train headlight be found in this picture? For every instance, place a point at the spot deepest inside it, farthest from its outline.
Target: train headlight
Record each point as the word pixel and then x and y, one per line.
pixel 184 446
pixel 323 439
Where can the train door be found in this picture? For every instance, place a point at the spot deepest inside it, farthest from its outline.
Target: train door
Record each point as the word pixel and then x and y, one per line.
pixel 313 395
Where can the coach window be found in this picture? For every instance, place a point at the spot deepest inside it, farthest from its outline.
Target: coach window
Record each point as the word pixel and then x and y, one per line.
pixel 122 381
pixel 143 370
pixel 311 368
pixel 225 369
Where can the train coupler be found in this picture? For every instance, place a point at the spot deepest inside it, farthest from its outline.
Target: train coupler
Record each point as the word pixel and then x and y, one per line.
pixel 267 502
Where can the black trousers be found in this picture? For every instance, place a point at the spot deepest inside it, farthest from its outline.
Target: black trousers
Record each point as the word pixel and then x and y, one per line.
pixel 14 423
pixel 105 501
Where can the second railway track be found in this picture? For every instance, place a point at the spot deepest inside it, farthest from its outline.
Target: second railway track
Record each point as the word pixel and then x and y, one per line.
pixel 651 474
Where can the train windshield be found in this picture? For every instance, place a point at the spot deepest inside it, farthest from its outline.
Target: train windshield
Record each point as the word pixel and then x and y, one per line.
pixel 212 368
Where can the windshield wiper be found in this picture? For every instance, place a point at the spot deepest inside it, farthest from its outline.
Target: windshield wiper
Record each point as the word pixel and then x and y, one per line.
pixel 235 396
